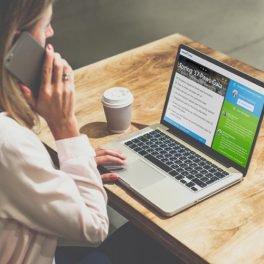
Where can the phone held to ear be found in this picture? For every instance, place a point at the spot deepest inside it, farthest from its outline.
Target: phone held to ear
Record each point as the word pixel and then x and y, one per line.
pixel 25 61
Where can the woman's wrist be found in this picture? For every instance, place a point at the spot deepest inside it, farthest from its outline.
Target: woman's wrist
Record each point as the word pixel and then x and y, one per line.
pixel 65 129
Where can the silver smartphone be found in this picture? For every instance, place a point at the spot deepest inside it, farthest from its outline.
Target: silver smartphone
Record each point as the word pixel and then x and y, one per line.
pixel 25 61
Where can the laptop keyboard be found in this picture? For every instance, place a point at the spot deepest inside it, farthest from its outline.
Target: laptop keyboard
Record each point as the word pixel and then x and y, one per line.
pixel 186 166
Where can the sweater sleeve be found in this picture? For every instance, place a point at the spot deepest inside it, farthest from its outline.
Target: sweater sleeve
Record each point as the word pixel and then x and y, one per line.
pixel 68 203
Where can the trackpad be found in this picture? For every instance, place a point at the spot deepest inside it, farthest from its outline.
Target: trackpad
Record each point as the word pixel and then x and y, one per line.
pixel 140 175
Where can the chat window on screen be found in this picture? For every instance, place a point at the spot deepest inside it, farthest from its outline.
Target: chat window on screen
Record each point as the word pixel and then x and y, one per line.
pixel 238 123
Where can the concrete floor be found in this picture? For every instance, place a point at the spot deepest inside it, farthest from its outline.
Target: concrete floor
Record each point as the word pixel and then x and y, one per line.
pixel 89 30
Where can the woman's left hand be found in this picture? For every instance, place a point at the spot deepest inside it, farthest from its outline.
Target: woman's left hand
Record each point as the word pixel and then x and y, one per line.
pixel 107 155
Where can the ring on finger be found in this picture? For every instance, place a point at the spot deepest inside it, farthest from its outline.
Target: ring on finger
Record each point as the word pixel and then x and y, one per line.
pixel 66 76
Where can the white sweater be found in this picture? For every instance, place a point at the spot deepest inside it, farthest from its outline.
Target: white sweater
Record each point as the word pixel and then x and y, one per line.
pixel 39 203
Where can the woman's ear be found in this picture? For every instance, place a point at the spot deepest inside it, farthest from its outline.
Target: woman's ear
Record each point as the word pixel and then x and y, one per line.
pixel 27 94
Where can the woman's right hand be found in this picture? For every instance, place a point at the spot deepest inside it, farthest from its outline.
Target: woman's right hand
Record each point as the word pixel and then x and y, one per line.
pixel 55 102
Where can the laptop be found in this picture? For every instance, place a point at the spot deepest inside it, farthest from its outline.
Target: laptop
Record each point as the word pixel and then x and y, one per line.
pixel 204 141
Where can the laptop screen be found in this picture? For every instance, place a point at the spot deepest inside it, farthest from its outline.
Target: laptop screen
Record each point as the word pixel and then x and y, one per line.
pixel 214 104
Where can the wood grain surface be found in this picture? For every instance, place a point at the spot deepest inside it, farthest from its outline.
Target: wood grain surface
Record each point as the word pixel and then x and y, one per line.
pixel 227 228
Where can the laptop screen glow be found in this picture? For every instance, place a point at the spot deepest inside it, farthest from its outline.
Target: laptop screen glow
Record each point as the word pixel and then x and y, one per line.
pixel 214 106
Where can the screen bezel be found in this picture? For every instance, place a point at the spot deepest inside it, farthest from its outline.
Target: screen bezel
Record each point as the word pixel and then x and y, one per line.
pixel 195 143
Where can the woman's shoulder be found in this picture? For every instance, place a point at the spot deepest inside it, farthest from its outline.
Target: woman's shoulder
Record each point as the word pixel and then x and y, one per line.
pixel 8 124
pixel 17 141
pixel 11 132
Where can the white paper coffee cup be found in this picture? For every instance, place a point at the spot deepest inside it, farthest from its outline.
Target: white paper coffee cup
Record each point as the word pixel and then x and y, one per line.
pixel 117 103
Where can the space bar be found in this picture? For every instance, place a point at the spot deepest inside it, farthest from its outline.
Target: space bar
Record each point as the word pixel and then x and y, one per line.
pixel 158 163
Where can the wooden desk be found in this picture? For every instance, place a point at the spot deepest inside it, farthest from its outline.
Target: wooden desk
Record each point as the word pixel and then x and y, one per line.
pixel 227 228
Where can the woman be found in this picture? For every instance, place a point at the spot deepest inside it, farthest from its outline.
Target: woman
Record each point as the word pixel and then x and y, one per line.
pixel 39 203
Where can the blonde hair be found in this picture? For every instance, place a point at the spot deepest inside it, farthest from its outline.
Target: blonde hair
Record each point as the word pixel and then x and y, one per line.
pixel 16 15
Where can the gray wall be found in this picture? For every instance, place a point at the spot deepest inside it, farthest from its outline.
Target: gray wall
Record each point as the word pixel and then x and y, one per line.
pixel 89 30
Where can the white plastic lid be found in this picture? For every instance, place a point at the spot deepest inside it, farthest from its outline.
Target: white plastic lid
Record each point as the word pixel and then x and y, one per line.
pixel 117 97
